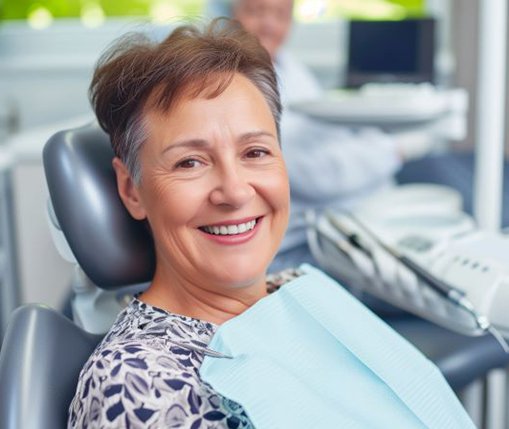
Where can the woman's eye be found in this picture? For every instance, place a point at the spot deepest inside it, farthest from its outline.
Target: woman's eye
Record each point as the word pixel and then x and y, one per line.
pixel 256 153
pixel 188 163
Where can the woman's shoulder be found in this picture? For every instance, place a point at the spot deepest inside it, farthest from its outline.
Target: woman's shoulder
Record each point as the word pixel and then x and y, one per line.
pixel 141 371
pixel 131 364
pixel 146 337
pixel 136 383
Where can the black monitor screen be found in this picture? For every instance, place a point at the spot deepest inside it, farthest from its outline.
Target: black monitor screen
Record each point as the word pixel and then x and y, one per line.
pixel 391 51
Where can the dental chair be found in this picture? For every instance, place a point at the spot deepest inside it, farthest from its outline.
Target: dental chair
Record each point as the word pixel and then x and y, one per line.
pixel 43 351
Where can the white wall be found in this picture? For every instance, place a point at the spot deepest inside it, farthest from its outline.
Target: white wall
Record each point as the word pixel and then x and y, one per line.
pixel 45 74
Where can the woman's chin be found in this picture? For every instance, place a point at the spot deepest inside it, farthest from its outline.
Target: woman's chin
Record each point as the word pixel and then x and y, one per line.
pixel 241 275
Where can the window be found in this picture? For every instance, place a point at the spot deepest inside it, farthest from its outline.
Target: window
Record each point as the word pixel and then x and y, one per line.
pixel 324 10
pixel 92 13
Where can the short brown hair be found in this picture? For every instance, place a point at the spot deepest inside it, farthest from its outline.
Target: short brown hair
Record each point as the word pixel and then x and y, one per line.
pixel 136 70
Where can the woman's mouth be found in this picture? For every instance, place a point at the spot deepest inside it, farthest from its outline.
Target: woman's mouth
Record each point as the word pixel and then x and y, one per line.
pixel 236 232
pixel 230 229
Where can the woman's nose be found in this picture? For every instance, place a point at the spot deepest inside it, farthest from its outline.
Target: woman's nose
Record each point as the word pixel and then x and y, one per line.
pixel 233 189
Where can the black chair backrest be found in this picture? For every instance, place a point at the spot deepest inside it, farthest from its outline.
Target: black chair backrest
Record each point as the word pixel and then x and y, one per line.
pixel 41 357
pixel 111 247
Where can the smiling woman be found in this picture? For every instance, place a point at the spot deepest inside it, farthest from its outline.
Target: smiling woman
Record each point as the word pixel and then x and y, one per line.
pixel 193 122
pixel 207 165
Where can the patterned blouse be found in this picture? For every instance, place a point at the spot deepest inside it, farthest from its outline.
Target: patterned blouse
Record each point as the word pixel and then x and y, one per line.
pixel 144 374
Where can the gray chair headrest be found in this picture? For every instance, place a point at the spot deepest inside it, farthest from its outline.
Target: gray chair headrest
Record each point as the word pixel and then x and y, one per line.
pixel 112 248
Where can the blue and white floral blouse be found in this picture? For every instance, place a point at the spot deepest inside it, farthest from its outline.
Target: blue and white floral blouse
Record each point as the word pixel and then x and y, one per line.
pixel 144 374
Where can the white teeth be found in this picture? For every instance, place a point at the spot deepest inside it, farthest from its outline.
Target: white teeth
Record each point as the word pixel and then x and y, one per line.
pixel 230 229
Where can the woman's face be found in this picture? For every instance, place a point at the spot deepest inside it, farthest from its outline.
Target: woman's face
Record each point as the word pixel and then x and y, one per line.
pixel 214 187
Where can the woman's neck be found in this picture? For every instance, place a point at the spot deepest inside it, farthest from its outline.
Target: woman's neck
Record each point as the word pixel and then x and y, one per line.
pixel 175 294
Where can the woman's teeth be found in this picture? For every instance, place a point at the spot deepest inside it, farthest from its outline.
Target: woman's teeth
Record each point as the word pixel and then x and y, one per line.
pixel 230 229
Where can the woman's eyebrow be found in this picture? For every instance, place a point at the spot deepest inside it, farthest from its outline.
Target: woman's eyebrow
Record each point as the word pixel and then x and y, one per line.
pixel 202 143
pixel 191 143
pixel 255 134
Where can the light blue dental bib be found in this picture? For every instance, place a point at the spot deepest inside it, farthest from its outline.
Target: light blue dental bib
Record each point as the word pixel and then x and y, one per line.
pixel 311 356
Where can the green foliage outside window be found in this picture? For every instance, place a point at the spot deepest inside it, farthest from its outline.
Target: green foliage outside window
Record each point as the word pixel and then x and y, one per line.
pixel 322 10
pixel 41 13
pixel 94 12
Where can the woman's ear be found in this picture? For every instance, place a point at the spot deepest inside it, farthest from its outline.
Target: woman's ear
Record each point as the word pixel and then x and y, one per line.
pixel 128 191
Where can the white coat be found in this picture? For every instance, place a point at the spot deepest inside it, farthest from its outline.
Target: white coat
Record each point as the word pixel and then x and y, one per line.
pixel 329 166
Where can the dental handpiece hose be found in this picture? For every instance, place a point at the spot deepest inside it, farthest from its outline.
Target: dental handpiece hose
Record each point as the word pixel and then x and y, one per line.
pixel 443 288
pixel 453 294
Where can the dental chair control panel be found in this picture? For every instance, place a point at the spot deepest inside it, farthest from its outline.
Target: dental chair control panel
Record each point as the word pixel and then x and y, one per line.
pixel 476 264
pixel 414 248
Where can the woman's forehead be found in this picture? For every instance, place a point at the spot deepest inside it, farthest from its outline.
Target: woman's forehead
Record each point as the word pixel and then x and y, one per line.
pixel 165 96
pixel 240 107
